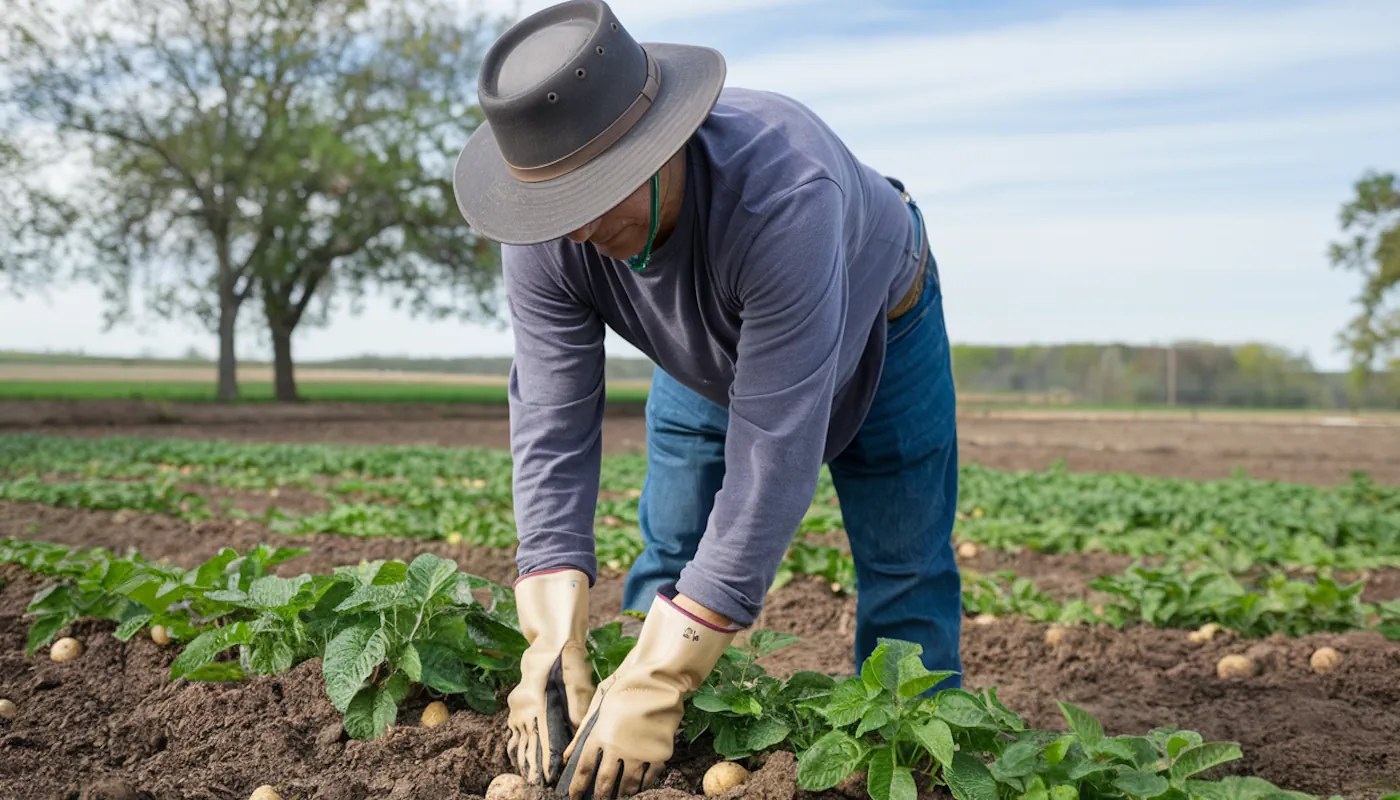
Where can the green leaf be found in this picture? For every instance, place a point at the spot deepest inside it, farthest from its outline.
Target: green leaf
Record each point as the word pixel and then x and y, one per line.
pixel 1056 751
pixel 443 670
pixel 710 702
pixel 962 709
pixel 207 646
pixel 763 642
pixel 765 733
pixel 848 703
pixel 914 686
pixel 390 572
pixel 830 760
pixel 969 779
pixel 1237 787
pixel 1199 758
pixel 1061 791
pixel 1142 784
pixel 44 630
pixel 271 592
pixel 271 656
pixel 370 712
pixel 410 663
pixel 937 738
pixel 745 705
pixel 1083 724
pixel 1017 761
pixel 350 659
pixel 877 716
pixel 428 575
pixel 880 773
pixel 132 625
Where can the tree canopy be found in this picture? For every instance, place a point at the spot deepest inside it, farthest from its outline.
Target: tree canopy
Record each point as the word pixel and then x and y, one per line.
pixel 221 150
pixel 1373 251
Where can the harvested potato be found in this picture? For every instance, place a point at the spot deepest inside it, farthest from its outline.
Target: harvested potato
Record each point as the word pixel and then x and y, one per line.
pixel 1205 633
pixel 7 709
pixel 1055 635
pixel 1324 660
pixel 1235 667
pixel 455 537
pixel 159 635
pixel 506 786
pixel 968 550
pixel 265 792
pixel 65 649
pixel 435 714
pixel 724 776
pixel 984 619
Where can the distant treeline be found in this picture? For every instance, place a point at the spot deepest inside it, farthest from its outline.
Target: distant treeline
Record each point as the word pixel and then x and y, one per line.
pixel 1249 375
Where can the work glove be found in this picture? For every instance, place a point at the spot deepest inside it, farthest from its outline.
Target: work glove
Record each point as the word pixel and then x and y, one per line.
pixel 556 682
pixel 629 731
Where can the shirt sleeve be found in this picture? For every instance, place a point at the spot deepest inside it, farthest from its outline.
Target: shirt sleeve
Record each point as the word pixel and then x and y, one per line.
pixel 556 397
pixel 791 286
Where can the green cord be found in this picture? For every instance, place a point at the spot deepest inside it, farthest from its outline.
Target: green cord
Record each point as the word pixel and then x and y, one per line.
pixel 640 261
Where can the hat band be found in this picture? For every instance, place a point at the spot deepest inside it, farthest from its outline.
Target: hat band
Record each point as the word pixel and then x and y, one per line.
pixel 603 140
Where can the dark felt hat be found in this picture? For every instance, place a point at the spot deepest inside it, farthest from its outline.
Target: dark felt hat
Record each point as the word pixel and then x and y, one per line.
pixel 578 116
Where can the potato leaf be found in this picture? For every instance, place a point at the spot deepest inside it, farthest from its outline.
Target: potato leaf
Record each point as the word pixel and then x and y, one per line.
pixel 832 759
pixel 1199 758
pixel 969 779
pixel 349 660
pixel 1083 724
pixel 205 647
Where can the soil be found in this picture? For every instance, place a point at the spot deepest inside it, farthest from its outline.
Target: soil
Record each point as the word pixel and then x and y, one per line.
pixel 110 724
pixel 1305 448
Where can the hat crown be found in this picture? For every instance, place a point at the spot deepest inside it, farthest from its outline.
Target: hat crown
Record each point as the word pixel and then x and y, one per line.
pixel 558 79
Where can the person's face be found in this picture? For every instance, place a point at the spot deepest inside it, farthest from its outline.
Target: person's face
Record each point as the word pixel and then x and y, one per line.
pixel 622 232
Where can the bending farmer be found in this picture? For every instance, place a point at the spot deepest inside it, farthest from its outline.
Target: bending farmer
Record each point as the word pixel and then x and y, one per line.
pixel 785 292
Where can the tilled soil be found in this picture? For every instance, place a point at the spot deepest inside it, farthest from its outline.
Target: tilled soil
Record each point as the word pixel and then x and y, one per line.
pixel 1301 448
pixel 110 724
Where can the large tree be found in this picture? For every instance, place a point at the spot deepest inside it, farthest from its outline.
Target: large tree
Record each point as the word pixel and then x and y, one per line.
pixel 1373 251
pixel 230 149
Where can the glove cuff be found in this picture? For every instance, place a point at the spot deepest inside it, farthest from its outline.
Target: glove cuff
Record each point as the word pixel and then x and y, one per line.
pixel 553 606
pixel 679 645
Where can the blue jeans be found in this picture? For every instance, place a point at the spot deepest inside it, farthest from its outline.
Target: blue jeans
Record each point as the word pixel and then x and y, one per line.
pixel 897 483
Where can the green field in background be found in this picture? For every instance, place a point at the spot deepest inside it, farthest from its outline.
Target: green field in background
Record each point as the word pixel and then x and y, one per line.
pixel 192 392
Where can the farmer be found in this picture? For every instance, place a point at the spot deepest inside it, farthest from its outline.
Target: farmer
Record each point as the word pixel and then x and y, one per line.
pixel 786 294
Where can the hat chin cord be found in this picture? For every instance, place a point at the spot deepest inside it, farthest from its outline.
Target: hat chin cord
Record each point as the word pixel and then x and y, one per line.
pixel 640 261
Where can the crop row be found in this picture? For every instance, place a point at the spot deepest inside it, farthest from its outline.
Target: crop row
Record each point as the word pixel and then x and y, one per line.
pixel 385 630
pixel 432 492
pixel 412 495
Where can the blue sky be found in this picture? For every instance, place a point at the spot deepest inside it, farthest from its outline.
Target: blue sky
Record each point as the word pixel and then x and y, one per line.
pixel 1171 170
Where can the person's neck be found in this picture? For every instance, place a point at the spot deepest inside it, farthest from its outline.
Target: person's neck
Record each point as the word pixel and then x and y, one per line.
pixel 672 196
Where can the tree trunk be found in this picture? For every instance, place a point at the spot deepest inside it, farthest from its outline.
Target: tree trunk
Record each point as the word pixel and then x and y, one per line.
pixel 284 379
pixel 228 361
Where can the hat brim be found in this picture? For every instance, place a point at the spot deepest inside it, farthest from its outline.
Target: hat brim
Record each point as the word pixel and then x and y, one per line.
pixel 510 211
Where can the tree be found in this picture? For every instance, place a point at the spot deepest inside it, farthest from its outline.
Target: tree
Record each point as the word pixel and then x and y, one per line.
pixel 1373 251
pixel 33 225
pixel 281 148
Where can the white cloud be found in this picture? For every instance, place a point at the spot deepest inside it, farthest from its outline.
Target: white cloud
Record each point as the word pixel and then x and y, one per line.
pixel 638 15
pixel 1077 55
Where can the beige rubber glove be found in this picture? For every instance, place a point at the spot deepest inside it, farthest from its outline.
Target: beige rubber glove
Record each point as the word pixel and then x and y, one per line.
pixel 629 732
pixel 556 682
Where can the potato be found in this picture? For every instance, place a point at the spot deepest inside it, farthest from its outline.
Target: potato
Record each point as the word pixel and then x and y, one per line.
pixel 65 649
pixel 7 709
pixel 1205 633
pixel 265 792
pixel 1235 667
pixel 159 635
pixel 968 550
pixel 435 714
pixel 506 786
pixel 722 777
pixel 1055 635
pixel 984 619
pixel 455 537
pixel 1324 660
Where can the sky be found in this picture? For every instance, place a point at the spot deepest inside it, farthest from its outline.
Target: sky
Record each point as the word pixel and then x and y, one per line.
pixel 1166 170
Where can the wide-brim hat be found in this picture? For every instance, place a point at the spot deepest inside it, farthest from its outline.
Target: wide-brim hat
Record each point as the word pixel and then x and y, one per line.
pixel 578 115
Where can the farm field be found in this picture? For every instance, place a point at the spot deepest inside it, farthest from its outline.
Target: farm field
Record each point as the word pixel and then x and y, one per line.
pixel 1087 585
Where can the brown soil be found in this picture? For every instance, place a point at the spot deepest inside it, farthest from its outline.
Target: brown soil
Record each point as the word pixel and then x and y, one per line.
pixel 82 728
pixel 1302 448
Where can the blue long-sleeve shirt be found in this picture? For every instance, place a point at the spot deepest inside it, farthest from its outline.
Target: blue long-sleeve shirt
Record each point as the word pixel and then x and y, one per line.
pixel 769 298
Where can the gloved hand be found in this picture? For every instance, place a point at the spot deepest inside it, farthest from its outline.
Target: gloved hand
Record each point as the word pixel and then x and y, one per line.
pixel 629 731
pixel 556 682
